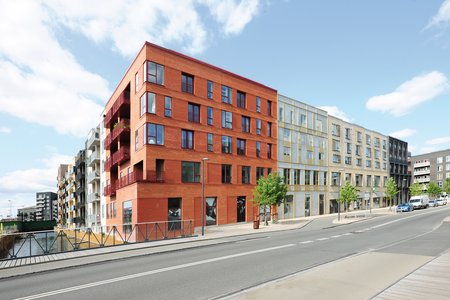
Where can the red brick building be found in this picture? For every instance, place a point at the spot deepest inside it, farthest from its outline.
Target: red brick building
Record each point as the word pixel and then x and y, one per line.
pixel 168 113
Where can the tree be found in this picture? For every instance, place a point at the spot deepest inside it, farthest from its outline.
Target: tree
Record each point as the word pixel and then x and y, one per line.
pixel 271 190
pixel 391 190
pixel 348 194
pixel 415 189
pixel 446 187
pixel 433 190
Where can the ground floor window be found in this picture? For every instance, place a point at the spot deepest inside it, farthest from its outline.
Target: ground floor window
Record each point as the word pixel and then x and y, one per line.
pixel 127 217
pixel 174 213
pixel 211 211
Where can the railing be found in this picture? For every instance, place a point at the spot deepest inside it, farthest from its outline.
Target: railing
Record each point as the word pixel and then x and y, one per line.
pixel 138 176
pixel 108 164
pixel 107 142
pixel 37 243
pixel 122 126
pixel 93 197
pixel 94 138
pixel 110 190
pixel 93 157
pixel 123 99
pixel 120 156
pixel 93 176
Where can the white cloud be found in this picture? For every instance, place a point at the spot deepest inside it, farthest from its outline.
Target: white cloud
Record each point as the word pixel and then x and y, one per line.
pixel 410 94
pixel 401 134
pixel 233 15
pixel 4 129
pixel 438 141
pixel 336 112
pixel 442 17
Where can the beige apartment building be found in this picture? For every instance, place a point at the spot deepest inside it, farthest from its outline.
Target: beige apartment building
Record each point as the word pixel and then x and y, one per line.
pixel 357 155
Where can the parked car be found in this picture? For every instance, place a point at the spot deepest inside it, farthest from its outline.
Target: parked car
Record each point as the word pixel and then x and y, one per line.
pixel 421 201
pixel 405 207
pixel 433 203
pixel 441 201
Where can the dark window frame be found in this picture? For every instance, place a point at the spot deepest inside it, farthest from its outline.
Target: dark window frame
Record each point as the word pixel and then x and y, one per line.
pixel 187 139
pixel 193 112
pixel 227 94
pixel 227 144
pixel 195 171
pixel 241 99
pixel 158 75
pixel 246 124
pixel 167 110
pixel 210 89
pixel 226 173
pixel 187 83
pixel 241 146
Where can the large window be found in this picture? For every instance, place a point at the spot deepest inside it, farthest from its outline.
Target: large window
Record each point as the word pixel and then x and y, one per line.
pixel 155 73
pixel 269 150
pixel 210 89
pixel 136 82
pixel 148 103
pixel 258 126
pixel 127 216
pixel 194 112
pixel 258 149
pixel 210 115
pixel 259 173
pixel 226 173
pixel 167 106
pixel 136 140
pixel 226 144
pixel 226 95
pixel 246 174
pixel 187 139
pixel 227 119
pixel 174 213
pixel 210 146
pixel 190 171
pixel 241 147
pixel 187 83
pixel 258 104
pixel 155 134
pixel 240 99
pixel 245 124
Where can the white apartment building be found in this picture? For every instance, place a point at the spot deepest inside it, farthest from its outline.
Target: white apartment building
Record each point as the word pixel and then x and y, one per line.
pixel 93 185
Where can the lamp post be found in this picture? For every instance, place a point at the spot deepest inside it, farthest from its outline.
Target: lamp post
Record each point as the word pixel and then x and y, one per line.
pixel 339 195
pixel 204 159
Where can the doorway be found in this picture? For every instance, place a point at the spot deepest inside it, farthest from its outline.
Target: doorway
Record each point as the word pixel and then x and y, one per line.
pixel 240 207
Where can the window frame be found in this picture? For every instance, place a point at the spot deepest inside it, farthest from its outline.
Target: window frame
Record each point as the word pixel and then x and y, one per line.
pixel 227 94
pixel 195 171
pixel 167 110
pixel 186 86
pixel 158 129
pixel 240 99
pixel 187 139
pixel 159 76
pixel 193 112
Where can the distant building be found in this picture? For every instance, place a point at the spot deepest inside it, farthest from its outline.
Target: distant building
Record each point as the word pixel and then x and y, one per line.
pixel 431 167
pixel 93 188
pixel 62 194
pixel 398 168
pixel 27 214
pixel 80 183
pixel 46 206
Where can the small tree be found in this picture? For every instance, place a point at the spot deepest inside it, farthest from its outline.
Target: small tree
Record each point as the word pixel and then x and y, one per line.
pixel 433 190
pixel 271 190
pixel 348 194
pixel 415 189
pixel 391 190
pixel 446 187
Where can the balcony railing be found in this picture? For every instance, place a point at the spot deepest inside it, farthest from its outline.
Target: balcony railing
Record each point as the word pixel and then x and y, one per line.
pixel 95 156
pixel 108 164
pixel 93 197
pixel 138 176
pixel 119 128
pixel 121 156
pixel 107 142
pixel 123 99
pixel 94 139
pixel 93 176
pixel 110 190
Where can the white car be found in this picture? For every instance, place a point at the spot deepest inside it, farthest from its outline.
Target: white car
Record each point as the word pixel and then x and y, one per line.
pixel 441 201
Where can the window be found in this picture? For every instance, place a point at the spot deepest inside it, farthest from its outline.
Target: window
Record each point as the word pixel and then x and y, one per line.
pixel 336 158
pixel 336 145
pixel 190 171
pixel 321 156
pixel 303 120
pixel 210 142
pixel 359 136
pixel 335 178
pixel 369 180
pixel 286 134
pixel 359 162
pixel 307 177
pixel 286 151
pixel 309 155
pixel 226 95
pixel 259 173
pixel 226 173
pixel 155 134
pixel 349 148
pixel 187 139
pixel 269 150
pixel 335 130
pixel 194 113
pixel 348 160
pixel 136 140
pixel 240 99
pixel 167 106
pixel 148 103
pixel 376 142
pixel 210 116
pixel 187 83
pixel 287 176
pixel 269 107
pixel 368 163
pixel 155 73
pixel 210 89
pixel 280 113
pixel 358 150
pixel 127 216
pixel 258 149
pixel 358 179
pixel 258 104
pixel 246 174
pixel 174 213
pixel 348 133
pixel 226 144
pixel 136 82
pixel 245 124
pixel 368 152
pixel 269 128
pixel 368 139
pixel 297 173
pixel 227 119
pixel 258 126
pixel 440 160
pixel 241 147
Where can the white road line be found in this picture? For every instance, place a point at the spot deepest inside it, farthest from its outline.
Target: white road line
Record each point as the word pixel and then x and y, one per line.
pixel 306 242
pixel 336 236
pixel 322 239
pixel 348 233
pixel 122 278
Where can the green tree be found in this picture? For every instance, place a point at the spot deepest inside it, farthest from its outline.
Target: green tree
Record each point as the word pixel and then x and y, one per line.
pixel 391 190
pixel 446 187
pixel 415 189
pixel 271 190
pixel 433 190
pixel 348 194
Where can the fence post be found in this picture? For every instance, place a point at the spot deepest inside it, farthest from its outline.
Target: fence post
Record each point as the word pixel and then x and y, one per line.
pixel 29 235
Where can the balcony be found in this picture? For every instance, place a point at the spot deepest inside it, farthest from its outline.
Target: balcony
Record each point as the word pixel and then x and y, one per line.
pixel 107 142
pixel 93 176
pixel 422 172
pixel 138 176
pixel 422 164
pixel 110 190
pixel 422 180
pixel 93 140
pixel 121 156
pixel 93 197
pixel 108 164
pixel 122 104
pixel 93 219
pixel 93 158
pixel 121 129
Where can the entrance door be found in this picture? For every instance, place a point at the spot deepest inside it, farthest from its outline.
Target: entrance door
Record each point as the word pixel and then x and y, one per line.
pixel 307 205
pixel 240 205
pixel 211 211
pixel 321 204
pixel 288 210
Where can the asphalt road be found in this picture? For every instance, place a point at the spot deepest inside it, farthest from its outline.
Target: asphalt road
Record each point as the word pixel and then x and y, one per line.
pixel 224 269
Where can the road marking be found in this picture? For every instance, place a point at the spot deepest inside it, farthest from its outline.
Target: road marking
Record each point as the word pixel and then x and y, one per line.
pixel 127 277
pixel 306 242
pixel 336 236
pixel 322 239
pixel 348 233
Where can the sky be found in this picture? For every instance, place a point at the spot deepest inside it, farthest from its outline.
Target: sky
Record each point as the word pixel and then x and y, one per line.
pixel 381 64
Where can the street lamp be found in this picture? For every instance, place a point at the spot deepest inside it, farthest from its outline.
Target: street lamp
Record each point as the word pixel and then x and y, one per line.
pixel 339 194
pixel 204 159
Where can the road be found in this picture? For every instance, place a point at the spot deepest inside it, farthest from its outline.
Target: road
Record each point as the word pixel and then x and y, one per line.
pixel 239 263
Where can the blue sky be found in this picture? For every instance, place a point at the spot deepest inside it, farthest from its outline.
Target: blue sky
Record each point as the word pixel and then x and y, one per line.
pixel 381 64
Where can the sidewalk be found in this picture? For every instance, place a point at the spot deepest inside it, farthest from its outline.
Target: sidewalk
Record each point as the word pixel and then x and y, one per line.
pixel 213 235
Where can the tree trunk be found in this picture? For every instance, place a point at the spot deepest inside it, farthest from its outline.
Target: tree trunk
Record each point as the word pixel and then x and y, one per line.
pixel 265 217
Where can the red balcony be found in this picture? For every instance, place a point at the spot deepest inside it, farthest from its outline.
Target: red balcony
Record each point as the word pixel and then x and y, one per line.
pixel 155 177
pixel 120 156
pixel 138 176
pixel 121 104
pixel 110 190
pixel 107 119
pixel 122 127
pixel 122 100
pixel 108 164
pixel 108 142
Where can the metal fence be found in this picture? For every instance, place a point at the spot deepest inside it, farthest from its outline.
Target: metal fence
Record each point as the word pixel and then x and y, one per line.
pixel 28 244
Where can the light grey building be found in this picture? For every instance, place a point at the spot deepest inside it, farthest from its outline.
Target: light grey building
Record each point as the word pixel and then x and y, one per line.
pixel 431 167
pixel 27 214
pixel 46 206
